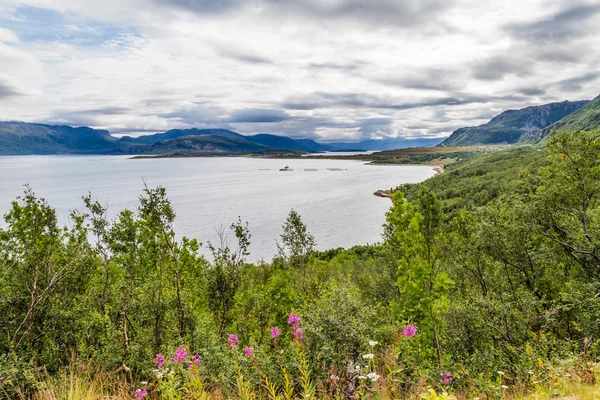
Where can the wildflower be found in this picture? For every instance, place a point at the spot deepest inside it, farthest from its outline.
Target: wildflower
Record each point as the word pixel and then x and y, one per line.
pixel 248 351
pixel 159 361
pixel 372 376
pixel 530 372
pixel 275 332
pixel 373 343
pixel 233 340
pixel 504 387
pixel 368 356
pixel 294 319
pixel 197 359
pixel 409 331
pixel 500 373
pixel 180 354
pixel 568 375
pixel 361 377
pixel 298 334
pixel 446 377
pixel 140 393
pixel 144 383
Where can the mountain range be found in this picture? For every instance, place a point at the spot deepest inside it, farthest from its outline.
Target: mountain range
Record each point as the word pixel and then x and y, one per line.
pixel 20 138
pixel 524 126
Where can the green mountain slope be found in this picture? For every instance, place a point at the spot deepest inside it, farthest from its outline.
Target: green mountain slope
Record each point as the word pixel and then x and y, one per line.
pixel 18 138
pixel 584 119
pixel 174 134
pixel 511 125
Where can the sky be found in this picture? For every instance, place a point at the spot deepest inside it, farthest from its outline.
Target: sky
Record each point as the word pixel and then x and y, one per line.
pixel 321 69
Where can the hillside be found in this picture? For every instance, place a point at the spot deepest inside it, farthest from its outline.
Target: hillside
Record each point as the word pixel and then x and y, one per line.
pixel 208 144
pixel 19 138
pixel 176 133
pixel 509 126
pixel 586 118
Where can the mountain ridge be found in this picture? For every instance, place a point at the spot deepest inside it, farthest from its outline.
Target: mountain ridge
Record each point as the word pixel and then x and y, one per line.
pixel 509 126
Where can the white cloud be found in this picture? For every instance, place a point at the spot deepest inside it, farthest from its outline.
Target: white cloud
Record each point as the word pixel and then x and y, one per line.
pixel 333 69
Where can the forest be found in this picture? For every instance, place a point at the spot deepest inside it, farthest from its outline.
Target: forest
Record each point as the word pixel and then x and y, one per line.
pixel 485 285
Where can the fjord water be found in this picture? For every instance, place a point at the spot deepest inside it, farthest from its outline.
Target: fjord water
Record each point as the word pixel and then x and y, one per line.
pixel 338 206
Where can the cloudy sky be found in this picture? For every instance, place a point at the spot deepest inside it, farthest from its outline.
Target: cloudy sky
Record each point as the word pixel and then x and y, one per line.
pixel 324 69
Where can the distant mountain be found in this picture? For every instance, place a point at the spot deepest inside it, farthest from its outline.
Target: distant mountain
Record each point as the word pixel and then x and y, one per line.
pixel 209 143
pixel 286 143
pixel 385 144
pixel 585 119
pixel 19 138
pixel 176 133
pixel 509 126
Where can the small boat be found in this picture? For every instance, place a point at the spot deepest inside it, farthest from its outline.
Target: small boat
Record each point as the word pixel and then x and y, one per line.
pixel 287 168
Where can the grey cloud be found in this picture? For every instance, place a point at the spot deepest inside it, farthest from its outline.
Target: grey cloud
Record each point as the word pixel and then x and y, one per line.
pixel 239 55
pixel 439 79
pixel 375 127
pixel 400 13
pixel 258 116
pixel 577 83
pixel 562 26
pixel 336 66
pixel 364 100
pixel 531 91
pixel 497 67
pixel 7 90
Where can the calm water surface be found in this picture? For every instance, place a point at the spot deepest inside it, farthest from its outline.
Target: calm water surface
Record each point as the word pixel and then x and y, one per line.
pixel 338 206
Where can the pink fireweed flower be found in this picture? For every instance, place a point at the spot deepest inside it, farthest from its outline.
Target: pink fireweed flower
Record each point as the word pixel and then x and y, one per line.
pixel 248 351
pixel 180 354
pixel 446 377
pixel 275 332
pixel 409 331
pixel 140 393
pixel 197 359
pixel 233 340
pixel 159 361
pixel 294 319
pixel 298 334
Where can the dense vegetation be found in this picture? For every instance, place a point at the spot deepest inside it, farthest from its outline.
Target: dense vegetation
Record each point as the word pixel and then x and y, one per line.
pixel 485 284
pixel 509 126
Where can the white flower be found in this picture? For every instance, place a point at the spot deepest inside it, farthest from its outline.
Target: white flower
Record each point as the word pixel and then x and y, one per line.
pixel 368 356
pixel 143 383
pixel 504 387
pixel 500 373
pixel 373 376
pixel 567 375
pixel 372 343
pixel 361 377
pixel 530 372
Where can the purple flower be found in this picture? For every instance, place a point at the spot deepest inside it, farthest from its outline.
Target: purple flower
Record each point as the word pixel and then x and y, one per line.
pixel 180 354
pixel 233 340
pixel 298 334
pixel 197 359
pixel 409 331
pixel 248 351
pixel 140 393
pixel 159 361
pixel 275 332
pixel 446 377
pixel 294 319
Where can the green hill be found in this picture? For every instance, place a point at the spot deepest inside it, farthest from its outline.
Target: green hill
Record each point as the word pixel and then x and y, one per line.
pixel 19 138
pixel 585 119
pixel 203 144
pixel 511 125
